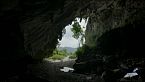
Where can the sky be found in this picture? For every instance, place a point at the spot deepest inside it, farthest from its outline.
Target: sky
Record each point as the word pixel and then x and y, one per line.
pixel 67 39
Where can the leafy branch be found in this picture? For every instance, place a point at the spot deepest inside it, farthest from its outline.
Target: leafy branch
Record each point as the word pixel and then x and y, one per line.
pixel 78 31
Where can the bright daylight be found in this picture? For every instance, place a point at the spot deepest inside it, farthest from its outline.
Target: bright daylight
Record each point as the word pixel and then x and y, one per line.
pixel 70 42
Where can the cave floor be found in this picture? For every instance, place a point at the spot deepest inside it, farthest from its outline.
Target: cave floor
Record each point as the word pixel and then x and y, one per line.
pixel 51 72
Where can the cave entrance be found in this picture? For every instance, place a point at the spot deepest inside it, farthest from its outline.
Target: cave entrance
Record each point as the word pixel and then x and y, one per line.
pixel 73 37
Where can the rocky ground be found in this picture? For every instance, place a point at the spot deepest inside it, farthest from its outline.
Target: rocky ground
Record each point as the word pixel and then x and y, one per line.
pixel 51 71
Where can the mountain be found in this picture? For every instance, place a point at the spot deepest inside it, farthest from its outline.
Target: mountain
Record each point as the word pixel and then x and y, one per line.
pixel 68 49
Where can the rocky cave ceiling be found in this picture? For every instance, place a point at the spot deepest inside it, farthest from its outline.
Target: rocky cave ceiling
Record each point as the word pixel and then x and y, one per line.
pixel 40 22
pixel 31 28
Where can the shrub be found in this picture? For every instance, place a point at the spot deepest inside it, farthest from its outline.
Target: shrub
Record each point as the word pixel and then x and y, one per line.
pixel 57 57
pixel 58 54
pixel 73 56
pixel 82 50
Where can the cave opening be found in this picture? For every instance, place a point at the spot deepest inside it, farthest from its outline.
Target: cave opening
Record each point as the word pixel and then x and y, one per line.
pixel 73 38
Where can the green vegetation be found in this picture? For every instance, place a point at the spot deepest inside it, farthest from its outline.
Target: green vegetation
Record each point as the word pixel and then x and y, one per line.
pixel 78 31
pixel 58 55
pixel 82 50
pixel 73 56
pixel 61 54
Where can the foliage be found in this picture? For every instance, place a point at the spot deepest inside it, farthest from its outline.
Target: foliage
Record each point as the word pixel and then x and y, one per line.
pixel 57 57
pixel 79 51
pixel 77 30
pixel 58 54
pixel 82 50
pixel 61 54
pixel 73 56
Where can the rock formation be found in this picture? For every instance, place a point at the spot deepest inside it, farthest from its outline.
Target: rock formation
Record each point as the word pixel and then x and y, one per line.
pixel 30 29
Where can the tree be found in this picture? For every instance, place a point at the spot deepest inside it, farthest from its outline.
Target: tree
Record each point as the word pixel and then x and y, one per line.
pixel 78 32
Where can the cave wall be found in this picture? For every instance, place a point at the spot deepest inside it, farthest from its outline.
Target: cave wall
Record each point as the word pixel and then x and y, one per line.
pixel 114 34
pixel 32 27
pixel 37 23
pixel 42 30
pixel 30 30
pixel 41 21
pixel 113 14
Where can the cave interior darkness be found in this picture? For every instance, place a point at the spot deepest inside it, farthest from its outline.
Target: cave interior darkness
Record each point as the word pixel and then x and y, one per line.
pixel 30 30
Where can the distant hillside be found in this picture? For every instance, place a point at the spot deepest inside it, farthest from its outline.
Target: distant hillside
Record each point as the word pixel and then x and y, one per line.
pixel 69 49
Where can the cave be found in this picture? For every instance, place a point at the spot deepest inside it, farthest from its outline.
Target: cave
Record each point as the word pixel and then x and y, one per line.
pixel 30 29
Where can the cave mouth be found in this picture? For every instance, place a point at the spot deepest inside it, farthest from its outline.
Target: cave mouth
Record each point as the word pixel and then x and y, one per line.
pixel 64 55
pixel 73 37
